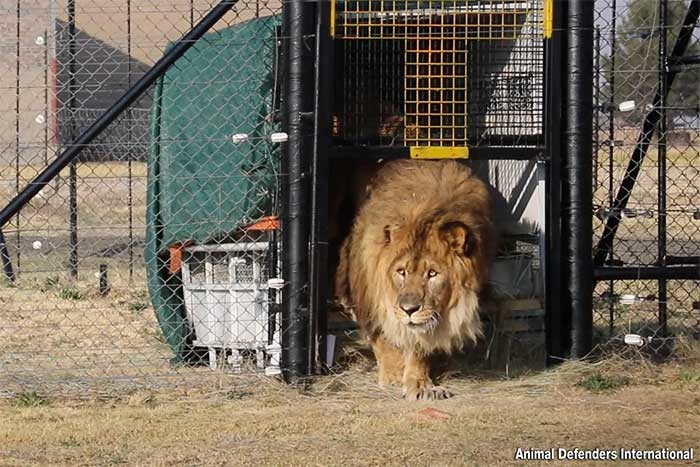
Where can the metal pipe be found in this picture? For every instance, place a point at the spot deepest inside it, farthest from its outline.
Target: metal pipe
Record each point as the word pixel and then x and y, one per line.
pixel 646 273
pixel 557 321
pixel 611 150
pixel 73 171
pixel 131 95
pixel 648 128
pixel 295 219
pixel 596 106
pixel 130 139
pixel 47 111
pixel 318 288
pixel 18 31
pixel 578 190
pixel 675 260
pixel 679 63
pixel 661 164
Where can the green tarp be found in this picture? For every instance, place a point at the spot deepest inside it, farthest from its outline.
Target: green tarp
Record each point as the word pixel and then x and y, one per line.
pixel 202 185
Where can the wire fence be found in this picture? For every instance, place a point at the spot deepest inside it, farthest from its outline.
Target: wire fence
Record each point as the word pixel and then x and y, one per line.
pixel 634 42
pixel 107 292
pixel 91 254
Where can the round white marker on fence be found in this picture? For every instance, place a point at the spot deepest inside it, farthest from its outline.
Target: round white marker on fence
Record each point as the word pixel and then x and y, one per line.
pixel 40 119
pixel 39 40
pixel 280 137
pixel 36 245
pixel 634 339
pixel 628 299
pixel 627 106
pixel 239 137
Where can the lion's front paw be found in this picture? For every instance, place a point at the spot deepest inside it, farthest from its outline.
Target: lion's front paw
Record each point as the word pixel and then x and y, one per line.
pixel 425 391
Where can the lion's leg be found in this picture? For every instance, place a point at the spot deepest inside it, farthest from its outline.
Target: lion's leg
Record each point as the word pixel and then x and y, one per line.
pixel 416 379
pixel 390 361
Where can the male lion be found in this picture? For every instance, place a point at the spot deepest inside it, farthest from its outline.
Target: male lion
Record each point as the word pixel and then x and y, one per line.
pixel 415 265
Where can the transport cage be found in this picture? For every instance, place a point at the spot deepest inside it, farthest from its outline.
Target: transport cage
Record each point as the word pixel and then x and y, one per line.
pixel 439 73
pixel 231 304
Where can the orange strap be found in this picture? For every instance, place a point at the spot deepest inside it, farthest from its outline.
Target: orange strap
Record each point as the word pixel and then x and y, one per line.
pixel 264 224
pixel 175 250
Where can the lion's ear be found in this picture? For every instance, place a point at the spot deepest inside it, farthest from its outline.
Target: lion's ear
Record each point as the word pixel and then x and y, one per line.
pixel 387 234
pixel 456 235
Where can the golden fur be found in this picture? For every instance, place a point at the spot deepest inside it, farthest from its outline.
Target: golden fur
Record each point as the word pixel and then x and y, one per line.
pixel 415 265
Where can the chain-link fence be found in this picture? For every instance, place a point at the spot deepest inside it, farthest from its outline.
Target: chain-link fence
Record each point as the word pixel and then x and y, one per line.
pixel 105 242
pixel 646 124
pixel 155 254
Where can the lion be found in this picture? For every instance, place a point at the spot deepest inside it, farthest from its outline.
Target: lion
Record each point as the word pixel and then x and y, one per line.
pixel 414 268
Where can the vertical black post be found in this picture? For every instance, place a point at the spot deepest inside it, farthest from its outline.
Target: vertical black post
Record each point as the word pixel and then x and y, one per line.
pixel 297 19
pixel 47 111
pixel 597 107
pixel 18 155
pixel 557 326
pixel 663 91
pixel 611 153
pixel 130 144
pixel 319 189
pixel 6 262
pixel 578 191
pixel 104 280
pixel 73 173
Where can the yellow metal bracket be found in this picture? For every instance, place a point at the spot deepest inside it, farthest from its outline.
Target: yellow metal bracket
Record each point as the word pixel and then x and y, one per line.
pixel 332 25
pixel 548 25
pixel 439 152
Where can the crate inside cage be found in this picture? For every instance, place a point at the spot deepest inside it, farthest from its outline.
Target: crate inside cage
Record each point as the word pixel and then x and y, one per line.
pixel 231 304
pixel 439 73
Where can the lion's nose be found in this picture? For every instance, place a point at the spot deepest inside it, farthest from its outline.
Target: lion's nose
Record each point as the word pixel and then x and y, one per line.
pixel 409 306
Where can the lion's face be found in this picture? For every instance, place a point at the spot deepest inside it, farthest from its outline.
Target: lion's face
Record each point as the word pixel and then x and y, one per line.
pixel 422 289
pixel 425 277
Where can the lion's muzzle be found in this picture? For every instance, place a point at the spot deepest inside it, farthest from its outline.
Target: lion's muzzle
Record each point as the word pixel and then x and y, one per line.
pixel 410 303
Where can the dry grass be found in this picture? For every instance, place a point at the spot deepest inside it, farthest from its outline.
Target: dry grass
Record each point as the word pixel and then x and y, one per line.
pixel 348 420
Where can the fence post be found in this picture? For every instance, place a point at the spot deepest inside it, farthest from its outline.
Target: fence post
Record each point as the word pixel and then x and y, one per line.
pixel 297 33
pixel 578 189
pixel 73 170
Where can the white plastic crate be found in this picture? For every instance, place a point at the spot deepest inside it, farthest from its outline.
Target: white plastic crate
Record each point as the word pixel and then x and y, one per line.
pixel 227 298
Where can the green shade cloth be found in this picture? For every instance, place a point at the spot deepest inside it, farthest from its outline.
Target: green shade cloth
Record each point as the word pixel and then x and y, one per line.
pixel 201 185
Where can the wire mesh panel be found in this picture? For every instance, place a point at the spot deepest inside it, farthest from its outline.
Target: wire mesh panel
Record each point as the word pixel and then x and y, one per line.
pixel 439 73
pixel 96 295
pixel 637 101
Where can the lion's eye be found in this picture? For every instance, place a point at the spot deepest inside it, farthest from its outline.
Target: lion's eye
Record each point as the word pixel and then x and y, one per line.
pixel 432 273
pixel 401 272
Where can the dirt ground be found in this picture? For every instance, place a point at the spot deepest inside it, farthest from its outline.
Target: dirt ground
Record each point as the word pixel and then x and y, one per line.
pixel 347 420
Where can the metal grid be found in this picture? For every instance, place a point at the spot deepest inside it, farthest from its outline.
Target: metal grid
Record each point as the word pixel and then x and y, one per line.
pixel 436 92
pixel 440 73
pixel 398 19
pixel 77 317
pixel 660 225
